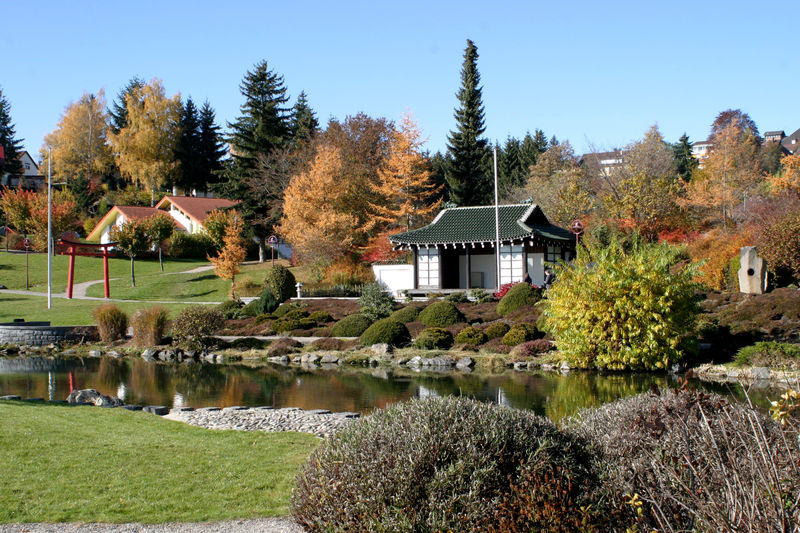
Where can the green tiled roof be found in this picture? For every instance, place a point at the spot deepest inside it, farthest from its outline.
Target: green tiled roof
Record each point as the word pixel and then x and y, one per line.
pixel 477 224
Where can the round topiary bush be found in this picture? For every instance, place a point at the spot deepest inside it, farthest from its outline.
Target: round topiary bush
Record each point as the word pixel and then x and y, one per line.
pixel 695 460
pixel 195 322
pixel 434 339
pixel 320 317
pixel 386 331
pixel 439 464
pixel 518 296
pixel 471 336
pixel 375 301
pixel 496 330
pixel 281 282
pixel 230 309
pixel 440 315
pixel 406 314
pixel 519 333
pixel 351 326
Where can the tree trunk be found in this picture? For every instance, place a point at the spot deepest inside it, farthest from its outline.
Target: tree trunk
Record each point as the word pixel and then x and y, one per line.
pixel 160 262
pixel 133 278
pixel 233 287
pixel 262 251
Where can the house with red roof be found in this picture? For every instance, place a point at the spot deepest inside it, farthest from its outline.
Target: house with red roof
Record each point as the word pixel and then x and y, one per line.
pixel 188 212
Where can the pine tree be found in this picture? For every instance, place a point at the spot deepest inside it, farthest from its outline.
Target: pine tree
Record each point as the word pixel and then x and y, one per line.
pixel 11 147
pixel 304 124
pixel 540 141
pixel 511 170
pixel 118 112
pixel 685 162
pixel 467 180
pixel 212 149
pixel 188 149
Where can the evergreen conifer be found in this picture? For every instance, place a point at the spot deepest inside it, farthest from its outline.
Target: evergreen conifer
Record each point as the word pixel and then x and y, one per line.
pixel 685 162
pixel 304 123
pixel 12 147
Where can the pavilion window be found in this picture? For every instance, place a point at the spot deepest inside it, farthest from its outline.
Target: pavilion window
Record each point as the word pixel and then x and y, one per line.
pixel 428 267
pixel 511 263
pixel 553 254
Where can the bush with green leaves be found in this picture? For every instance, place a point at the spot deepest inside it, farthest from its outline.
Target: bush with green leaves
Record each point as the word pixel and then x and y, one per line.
pixel 434 339
pixel 149 325
pixel 459 297
pixel 320 317
pixel 112 322
pixel 480 296
pixel 472 336
pixel 265 303
pixel 518 296
pixel 195 322
pixel 441 314
pixel 386 331
pixel 520 333
pixel 230 308
pixel 624 309
pixel 459 457
pixel 184 245
pixel 284 308
pixel 292 321
pixel 351 326
pixel 777 355
pixel 249 343
pixel 496 330
pixel 696 462
pixel 375 302
pixel 281 282
pixel 406 314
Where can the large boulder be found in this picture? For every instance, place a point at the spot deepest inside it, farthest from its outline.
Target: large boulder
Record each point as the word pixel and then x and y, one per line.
pixel 93 397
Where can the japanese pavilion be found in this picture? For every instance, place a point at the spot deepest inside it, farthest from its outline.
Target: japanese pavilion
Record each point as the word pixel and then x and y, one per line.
pixel 457 249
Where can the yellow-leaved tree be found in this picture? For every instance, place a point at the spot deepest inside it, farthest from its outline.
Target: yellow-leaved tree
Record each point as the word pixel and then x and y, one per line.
pixel 788 179
pixel 78 143
pixel 144 149
pixel 228 263
pixel 405 189
pixel 316 215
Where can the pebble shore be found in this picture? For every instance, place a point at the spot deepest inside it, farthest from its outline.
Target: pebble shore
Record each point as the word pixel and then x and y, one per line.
pixel 319 422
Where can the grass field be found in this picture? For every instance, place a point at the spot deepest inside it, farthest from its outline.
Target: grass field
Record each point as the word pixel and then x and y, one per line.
pixel 68 464
pixel 64 312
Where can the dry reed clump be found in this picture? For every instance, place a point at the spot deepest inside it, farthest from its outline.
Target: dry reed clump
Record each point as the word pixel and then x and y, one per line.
pixel 149 326
pixel 439 464
pixel 112 322
pixel 685 460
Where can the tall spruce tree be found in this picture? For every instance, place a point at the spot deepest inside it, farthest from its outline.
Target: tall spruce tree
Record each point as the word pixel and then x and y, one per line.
pixel 685 162
pixel 510 168
pixel 188 150
pixel 212 148
pixel 304 123
pixel 12 147
pixel 118 112
pixel 439 164
pixel 467 179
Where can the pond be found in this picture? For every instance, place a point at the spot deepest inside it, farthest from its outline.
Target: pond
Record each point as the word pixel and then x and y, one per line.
pixel 346 388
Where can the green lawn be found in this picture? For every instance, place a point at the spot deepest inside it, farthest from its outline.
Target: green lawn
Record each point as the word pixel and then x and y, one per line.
pixel 12 270
pixel 87 464
pixel 64 312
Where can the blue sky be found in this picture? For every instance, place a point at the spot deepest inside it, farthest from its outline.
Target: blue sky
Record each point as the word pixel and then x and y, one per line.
pixel 595 73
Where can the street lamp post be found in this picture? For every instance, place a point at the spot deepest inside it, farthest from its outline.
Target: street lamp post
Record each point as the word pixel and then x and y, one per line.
pixel 49 229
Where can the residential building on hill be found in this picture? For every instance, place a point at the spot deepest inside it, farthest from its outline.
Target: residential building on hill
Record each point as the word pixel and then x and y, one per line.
pixel 31 179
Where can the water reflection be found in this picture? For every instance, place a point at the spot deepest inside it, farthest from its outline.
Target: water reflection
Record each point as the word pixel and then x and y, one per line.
pixel 346 389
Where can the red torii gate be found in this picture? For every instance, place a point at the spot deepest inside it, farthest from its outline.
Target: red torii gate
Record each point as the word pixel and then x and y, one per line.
pixel 88 249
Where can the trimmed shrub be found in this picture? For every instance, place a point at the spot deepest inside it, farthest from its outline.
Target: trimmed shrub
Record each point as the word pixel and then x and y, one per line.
pixel 458 458
pixel 149 326
pixel 265 303
pixel 533 348
pixel 480 296
pixel 471 336
pixel 284 308
pixel 770 354
pixel 519 333
pixel 637 307
pixel 230 309
pixel 457 297
pixel 406 314
pixel 320 317
pixel 328 343
pixel 290 322
pixel 283 346
pixel 295 314
pixel 249 309
pixel 112 322
pixel 375 302
pixel 518 296
pixel 386 331
pixel 434 339
pixel 696 462
pixel 190 245
pixel 249 343
pixel 281 282
pixel 351 326
pixel 440 315
pixel 496 330
pixel 195 322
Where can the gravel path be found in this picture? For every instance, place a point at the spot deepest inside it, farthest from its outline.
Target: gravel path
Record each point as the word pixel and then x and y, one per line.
pixel 271 525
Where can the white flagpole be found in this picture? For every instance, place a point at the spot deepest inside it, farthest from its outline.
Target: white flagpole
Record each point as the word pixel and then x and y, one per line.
pixel 49 229
pixel 497 219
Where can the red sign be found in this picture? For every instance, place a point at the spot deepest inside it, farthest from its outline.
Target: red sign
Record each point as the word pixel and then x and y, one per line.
pixel 27 243
pixel 577 227
pixel 272 239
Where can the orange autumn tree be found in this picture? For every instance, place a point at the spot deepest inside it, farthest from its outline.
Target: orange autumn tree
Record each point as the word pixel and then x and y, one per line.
pixel 227 264
pixel 405 188
pixel 317 218
pixel 788 179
